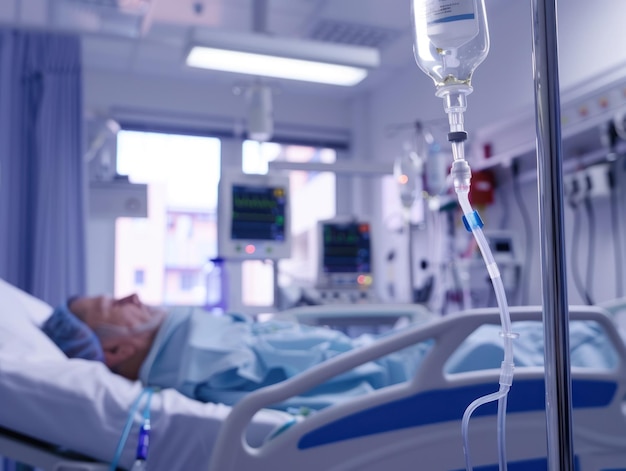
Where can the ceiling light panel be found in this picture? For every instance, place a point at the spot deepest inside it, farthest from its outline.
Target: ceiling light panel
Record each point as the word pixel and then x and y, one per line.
pixel 275 67
pixel 288 58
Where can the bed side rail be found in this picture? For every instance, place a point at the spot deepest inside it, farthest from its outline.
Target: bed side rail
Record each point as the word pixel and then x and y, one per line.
pixel 416 312
pixel 431 373
pixel 448 333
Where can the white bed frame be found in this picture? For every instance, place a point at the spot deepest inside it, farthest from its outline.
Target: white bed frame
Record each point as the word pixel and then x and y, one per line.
pixel 417 425
pixel 40 455
pixel 341 316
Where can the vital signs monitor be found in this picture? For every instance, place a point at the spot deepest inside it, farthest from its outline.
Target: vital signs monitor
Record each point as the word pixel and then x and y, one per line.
pixel 253 216
pixel 345 260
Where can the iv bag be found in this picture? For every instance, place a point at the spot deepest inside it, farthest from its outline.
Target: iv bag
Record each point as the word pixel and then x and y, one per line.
pixel 436 171
pixel 451 39
pixel 450 24
pixel 408 171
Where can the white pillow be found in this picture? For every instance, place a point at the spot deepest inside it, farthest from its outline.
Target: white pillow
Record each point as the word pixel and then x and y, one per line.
pixel 21 316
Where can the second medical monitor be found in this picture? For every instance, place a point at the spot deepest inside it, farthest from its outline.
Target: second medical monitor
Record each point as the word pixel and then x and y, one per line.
pixel 345 259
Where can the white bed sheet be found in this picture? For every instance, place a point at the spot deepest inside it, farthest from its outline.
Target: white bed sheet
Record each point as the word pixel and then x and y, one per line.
pixel 82 406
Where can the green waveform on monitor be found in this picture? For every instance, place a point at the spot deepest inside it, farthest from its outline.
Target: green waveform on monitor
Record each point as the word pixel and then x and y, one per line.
pixel 334 238
pixel 254 203
pixel 259 217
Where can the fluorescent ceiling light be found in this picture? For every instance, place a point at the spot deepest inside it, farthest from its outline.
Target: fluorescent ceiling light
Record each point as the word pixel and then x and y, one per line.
pixel 288 58
pixel 273 66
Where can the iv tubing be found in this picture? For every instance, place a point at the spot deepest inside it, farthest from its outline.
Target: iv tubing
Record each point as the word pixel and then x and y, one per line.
pixel 126 431
pixel 506 375
pixel 454 104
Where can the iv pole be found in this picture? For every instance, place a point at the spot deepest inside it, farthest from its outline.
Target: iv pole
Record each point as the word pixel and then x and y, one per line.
pixel 550 183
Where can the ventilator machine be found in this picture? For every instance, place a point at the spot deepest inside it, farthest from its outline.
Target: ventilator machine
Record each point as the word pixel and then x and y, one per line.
pixel 451 40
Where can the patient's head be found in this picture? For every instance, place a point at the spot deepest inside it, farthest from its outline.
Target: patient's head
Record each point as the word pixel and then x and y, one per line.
pixel 126 328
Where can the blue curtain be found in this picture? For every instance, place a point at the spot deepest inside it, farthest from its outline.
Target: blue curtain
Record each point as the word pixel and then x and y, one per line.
pixel 42 184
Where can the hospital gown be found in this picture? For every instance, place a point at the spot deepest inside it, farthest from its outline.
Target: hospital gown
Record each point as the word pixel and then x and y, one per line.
pixel 220 359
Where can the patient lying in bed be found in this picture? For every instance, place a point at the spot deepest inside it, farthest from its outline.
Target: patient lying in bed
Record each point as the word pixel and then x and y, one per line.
pixel 215 359
pixel 220 359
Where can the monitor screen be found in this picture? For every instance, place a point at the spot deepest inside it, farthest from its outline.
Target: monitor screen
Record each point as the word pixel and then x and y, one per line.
pixel 253 217
pixel 346 247
pixel 258 212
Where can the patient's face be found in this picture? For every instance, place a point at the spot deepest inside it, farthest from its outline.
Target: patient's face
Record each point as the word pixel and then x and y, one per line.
pixel 125 328
pixel 106 315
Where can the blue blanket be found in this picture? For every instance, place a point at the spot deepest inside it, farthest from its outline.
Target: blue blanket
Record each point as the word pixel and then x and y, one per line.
pixel 220 359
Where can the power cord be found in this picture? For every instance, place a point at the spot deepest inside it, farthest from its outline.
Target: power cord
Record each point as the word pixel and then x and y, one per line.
pixel 573 203
pixel 591 239
pixel 611 136
pixel 615 221
pixel 528 239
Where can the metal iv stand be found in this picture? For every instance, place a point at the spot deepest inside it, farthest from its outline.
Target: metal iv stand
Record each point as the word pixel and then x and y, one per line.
pixel 550 184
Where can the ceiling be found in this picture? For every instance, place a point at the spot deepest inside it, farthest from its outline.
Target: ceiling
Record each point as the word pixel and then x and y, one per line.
pixel 151 37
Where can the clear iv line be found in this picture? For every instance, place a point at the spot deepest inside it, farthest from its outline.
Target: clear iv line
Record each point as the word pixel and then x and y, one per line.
pixel 451 40
pixel 143 440
pixel 454 104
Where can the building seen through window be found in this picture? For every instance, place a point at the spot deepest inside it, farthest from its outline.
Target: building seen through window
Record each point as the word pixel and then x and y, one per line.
pixel 166 258
pixel 173 246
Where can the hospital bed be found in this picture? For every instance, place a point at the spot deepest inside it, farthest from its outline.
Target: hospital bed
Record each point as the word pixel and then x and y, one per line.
pixel 417 425
pixel 79 406
pixel 617 309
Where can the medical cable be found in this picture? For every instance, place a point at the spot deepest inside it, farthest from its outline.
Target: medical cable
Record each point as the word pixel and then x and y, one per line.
pixel 127 427
pixel 143 441
pixel 573 203
pixel 433 227
pixel 617 244
pixel 505 213
pixel 591 240
pixel 517 193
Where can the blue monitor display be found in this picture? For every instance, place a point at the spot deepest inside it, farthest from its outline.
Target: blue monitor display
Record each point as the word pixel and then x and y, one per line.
pixel 346 248
pixel 258 213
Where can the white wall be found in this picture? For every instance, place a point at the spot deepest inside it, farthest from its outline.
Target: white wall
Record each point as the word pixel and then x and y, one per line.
pixel 603 255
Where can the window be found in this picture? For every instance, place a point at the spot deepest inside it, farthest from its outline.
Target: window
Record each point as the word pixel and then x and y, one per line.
pixel 188 280
pixel 140 276
pixel 179 236
pixel 312 199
